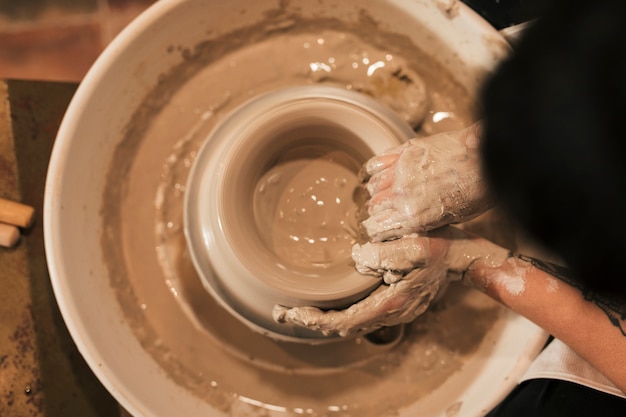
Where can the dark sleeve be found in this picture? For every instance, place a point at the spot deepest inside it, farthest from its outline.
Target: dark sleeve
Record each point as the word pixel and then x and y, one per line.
pixel 552 398
pixel 554 137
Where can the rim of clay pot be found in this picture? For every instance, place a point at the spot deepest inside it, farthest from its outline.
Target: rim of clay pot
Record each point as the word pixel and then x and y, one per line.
pixel 229 244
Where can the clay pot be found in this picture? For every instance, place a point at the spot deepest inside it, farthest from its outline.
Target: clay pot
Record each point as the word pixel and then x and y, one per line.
pixel 231 242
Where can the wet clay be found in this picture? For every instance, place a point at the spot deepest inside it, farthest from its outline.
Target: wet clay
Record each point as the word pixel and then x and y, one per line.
pixel 304 208
pixel 197 343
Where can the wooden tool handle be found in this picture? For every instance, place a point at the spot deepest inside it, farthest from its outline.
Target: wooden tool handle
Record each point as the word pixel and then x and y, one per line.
pixel 15 213
pixel 9 235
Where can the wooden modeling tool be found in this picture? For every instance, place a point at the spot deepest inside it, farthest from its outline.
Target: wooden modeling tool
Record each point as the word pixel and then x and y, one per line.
pixel 13 216
pixel 9 235
pixel 17 214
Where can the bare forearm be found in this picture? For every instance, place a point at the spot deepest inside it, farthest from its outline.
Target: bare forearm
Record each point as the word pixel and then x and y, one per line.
pixel 590 325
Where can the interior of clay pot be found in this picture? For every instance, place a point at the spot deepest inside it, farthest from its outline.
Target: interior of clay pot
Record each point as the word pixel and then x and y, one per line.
pixel 265 222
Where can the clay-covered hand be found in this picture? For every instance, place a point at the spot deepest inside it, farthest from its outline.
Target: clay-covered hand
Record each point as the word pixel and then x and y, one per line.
pixel 424 184
pixel 458 249
pixel 400 300
pixel 414 270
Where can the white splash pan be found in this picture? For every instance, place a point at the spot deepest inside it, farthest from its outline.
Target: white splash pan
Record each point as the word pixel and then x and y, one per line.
pixel 93 126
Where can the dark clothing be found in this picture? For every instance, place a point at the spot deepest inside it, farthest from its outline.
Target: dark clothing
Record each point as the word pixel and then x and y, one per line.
pixel 555 398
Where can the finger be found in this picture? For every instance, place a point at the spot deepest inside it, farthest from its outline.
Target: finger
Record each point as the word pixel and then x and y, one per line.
pixel 391 277
pixel 366 315
pixel 308 317
pixel 391 223
pixel 341 322
pixel 379 163
pixel 381 201
pixel 420 288
pixel 380 181
pixel 388 224
pixel 397 255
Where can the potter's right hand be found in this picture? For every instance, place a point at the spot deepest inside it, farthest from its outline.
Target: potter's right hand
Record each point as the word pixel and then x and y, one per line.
pixel 424 184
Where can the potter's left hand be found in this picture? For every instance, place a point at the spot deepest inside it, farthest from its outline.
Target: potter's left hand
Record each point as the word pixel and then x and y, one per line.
pixel 393 303
pixel 424 184
pixel 414 270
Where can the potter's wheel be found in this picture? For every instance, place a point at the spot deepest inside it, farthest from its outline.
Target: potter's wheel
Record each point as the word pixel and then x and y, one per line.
pixel 140 314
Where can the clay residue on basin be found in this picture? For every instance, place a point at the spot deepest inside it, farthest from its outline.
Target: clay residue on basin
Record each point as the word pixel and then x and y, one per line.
pixel 196 342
